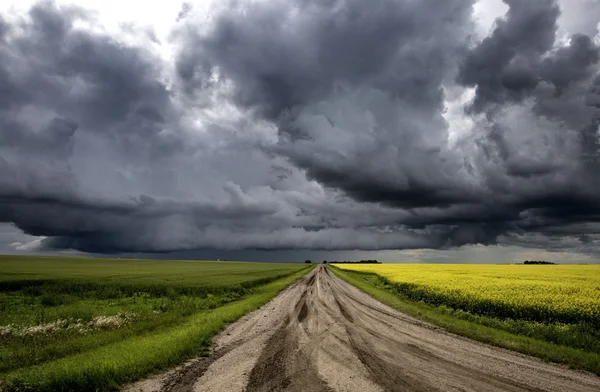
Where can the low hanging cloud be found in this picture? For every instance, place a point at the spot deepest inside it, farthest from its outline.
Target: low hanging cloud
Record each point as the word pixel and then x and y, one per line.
pixel 302 125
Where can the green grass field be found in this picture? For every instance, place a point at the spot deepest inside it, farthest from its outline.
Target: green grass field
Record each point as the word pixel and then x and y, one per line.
pixel 79 324
pixel 548 311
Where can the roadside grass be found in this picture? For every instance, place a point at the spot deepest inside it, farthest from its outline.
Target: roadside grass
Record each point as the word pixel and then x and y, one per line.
pixel 77 334
pixel 83 327
pixel 506 333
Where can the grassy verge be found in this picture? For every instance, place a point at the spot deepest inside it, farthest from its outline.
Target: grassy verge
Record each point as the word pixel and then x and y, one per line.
pixel 386 293
pixel 109 366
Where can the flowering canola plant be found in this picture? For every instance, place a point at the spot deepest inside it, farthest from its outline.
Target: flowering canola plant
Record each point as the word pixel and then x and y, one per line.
pixel 543 293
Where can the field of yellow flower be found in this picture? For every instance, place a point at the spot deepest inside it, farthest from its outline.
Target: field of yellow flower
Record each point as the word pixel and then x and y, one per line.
pixel 542 293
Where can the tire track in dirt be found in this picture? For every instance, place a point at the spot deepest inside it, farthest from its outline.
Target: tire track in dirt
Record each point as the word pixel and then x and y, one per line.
pixel 322 334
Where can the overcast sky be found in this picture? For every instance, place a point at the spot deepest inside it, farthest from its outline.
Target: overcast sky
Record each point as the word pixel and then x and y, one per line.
pixel 406 130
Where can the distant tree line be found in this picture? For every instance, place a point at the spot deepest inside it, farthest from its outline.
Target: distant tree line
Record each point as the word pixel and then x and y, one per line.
pixel 354 262
pixel 537 262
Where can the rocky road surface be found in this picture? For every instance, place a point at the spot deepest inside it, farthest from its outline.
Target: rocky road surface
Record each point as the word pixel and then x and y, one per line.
pixel 322 334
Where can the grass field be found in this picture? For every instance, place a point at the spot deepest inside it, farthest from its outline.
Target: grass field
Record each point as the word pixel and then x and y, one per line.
pixel 90 324
pixel 556 304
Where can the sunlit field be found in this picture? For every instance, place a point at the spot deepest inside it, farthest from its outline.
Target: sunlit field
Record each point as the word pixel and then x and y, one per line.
pixel 557 293
pixel 554 303
pixel 59 315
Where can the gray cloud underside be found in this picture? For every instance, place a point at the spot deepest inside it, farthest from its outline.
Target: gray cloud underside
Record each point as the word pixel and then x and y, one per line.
pixel 303 125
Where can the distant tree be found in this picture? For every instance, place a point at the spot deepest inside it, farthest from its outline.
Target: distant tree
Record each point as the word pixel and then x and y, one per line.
pixel 356 262
pixel 324 261
pixel 307 261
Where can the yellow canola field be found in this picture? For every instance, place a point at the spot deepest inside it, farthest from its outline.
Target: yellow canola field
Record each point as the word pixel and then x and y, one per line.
pixel 543 293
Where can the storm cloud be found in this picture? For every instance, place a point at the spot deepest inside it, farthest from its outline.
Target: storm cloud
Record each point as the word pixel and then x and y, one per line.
pixel 332 125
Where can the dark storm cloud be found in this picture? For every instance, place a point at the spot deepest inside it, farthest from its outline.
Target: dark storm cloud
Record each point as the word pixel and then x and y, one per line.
pixel 363 114
pixel 284 55
pixel 502 66
pixel 571 64
pixel 61 85
pixel 302 125
pixel 518 66
pixel 354 87
pixel 3 28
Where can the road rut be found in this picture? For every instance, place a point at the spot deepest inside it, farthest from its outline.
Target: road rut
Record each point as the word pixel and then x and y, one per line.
pixel 322 334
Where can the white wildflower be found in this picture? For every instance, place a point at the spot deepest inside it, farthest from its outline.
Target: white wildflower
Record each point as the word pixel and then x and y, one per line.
pixel 6 330
pixel 74 325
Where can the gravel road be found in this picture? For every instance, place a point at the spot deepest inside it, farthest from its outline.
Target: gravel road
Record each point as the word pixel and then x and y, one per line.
pixel 322 334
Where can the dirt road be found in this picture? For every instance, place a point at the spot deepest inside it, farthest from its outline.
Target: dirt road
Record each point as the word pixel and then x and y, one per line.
pixel 323 334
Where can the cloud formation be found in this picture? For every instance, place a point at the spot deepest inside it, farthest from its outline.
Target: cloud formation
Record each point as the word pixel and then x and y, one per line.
pixel 302 125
